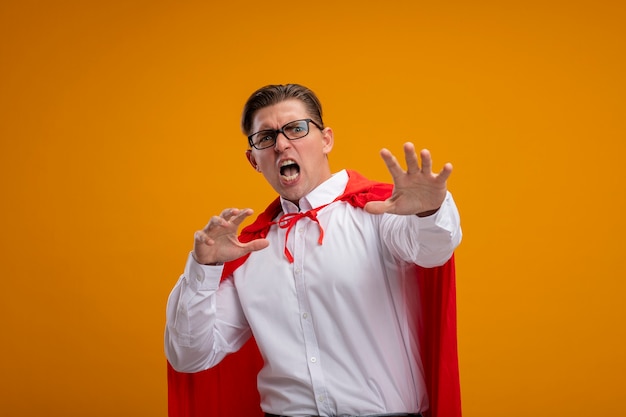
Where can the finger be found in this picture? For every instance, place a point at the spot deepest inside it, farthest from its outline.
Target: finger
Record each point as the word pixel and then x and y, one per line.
pixel 216 221
pixel 200 237
pixel 228 213
pixel 392 163
pixel 222 220
pixel 445 172
pixel 240 216
pixel 412 164
pixel 427 162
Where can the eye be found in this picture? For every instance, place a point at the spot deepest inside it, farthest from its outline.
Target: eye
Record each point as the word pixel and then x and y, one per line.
pixel 264 137
pixel 296 128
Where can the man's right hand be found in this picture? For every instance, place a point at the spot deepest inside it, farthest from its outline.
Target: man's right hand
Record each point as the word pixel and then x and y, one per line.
pixel 218 243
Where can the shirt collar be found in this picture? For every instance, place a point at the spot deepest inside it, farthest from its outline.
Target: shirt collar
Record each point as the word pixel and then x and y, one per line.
pixel 324 193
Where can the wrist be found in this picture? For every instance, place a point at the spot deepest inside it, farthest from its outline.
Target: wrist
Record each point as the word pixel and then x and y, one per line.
pixel 427 213
pixel 195 258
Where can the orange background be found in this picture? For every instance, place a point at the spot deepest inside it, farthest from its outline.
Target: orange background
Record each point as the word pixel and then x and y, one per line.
pixel 119 134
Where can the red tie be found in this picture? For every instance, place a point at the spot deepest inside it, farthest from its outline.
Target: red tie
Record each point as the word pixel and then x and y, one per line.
pixel 288 220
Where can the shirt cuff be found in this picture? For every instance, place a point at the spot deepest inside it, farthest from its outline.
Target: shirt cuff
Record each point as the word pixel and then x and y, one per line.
pixel 202 277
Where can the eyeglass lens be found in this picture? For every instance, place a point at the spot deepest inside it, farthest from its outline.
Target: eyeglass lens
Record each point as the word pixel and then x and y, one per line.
pixel 292 130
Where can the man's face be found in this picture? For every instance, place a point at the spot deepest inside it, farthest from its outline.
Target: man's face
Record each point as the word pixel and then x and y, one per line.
pixel 292 167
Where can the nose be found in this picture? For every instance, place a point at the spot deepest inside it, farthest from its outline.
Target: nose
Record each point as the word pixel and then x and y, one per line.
pixel 282 142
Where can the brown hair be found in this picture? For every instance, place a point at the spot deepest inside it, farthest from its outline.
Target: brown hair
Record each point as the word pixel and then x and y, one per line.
pixel 274 94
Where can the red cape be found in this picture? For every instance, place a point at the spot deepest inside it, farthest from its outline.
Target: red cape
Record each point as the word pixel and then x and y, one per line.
pixel 229 389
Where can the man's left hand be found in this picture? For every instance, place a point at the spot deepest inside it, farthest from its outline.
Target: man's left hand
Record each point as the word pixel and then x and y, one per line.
pixel 416 190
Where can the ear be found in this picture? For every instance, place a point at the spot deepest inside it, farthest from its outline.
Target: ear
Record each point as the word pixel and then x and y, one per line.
pixel 252 160
pixel 329 140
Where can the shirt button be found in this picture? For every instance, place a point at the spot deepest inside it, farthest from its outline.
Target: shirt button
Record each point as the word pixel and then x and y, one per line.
pixel 321 398
pixel 305 315
pixel 313 359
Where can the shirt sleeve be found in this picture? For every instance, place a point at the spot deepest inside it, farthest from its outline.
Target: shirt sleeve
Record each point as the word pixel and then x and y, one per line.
pixel 204 319
pixel 426 241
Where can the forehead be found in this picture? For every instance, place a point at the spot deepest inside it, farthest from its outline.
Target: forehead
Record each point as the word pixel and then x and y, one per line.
pixel 276 115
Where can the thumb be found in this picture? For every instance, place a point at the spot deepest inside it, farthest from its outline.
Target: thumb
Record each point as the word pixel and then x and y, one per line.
pixel 377 207
pixel 257 244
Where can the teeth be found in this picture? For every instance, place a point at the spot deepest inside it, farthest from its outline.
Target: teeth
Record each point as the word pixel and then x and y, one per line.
pixel 294 172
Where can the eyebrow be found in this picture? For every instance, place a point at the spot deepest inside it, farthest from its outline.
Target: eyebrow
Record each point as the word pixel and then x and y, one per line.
pixel 262 126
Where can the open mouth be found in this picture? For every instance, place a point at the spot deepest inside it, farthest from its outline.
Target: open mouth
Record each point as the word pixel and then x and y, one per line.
pixel 289 170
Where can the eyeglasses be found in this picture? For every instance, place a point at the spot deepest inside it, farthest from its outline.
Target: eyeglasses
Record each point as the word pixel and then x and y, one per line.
pixel 292 131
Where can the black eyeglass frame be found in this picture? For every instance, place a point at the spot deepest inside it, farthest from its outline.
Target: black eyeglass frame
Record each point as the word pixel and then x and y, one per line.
pixel 276 132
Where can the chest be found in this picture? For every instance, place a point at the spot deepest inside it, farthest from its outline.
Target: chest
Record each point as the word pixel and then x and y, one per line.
pixel 348 263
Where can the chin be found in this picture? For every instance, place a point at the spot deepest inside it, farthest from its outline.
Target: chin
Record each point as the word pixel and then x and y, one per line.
pixel 295 199
pixel 292 195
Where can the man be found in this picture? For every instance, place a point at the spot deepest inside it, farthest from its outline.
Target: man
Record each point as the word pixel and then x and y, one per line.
pixel 324 280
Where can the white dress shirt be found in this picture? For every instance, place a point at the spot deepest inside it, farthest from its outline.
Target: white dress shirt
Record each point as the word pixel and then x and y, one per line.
pixel 336 327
